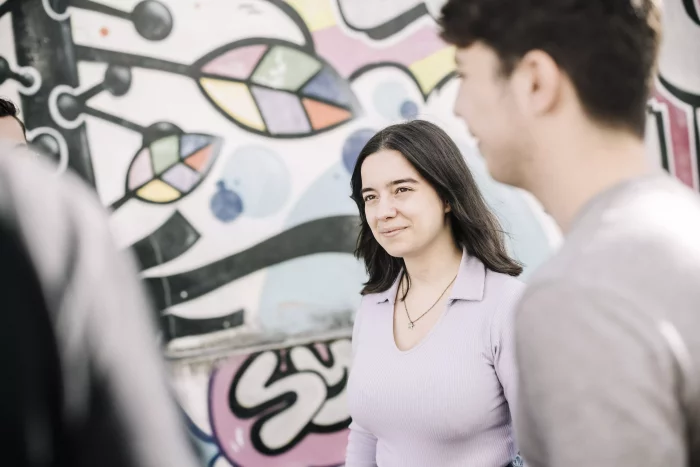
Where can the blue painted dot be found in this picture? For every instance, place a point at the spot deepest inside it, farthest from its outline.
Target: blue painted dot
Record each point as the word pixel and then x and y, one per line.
pixel 226 205
pixel 409 110
pixel 353 145
pixel 388 97
pixel 260 177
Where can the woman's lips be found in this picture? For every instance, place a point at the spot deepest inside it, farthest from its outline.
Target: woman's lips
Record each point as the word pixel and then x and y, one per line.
pixel 392 232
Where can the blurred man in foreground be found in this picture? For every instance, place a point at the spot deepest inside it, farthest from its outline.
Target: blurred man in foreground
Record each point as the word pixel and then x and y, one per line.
pixel 607 332
pixel 84 382
pixel 12 129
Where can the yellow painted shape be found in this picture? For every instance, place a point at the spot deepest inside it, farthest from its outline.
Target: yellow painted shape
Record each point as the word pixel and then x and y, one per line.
pixel 235 99
pixel 431 69
pixel 158 191
pixel 317 14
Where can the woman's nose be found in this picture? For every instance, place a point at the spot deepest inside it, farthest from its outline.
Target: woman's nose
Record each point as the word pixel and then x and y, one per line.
pixel 385 210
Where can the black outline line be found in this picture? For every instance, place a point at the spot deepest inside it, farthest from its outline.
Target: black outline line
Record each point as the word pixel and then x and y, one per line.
pixel 217 144
pixel 692 10
pixel 100 8
pixel 299 21
pixel 373 66
pixel 90 93
pixel 273 407
pixel 443 81
pixel 194 71
pixel 175 327
pixel 262 86
pixel 391 27
pixel 210 413
pixel 355 109
pixel 660 123
pixel 7 7
pixel 692 101
pixel 94 54
pixel 176 230
pixel 661 119
pixel 282 91
pixel 686 97
pixel 108 117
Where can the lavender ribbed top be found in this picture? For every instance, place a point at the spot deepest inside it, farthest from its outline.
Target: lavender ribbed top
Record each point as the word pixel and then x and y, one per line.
pixel 446 401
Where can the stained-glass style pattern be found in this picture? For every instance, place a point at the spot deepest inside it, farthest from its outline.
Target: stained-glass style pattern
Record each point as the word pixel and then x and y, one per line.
pixel 171 167
pixel 276 88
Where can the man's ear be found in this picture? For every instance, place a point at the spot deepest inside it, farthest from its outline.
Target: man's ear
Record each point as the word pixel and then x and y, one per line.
pixel 538 82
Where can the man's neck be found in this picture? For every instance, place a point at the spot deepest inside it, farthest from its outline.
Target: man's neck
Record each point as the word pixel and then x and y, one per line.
pixel 581 173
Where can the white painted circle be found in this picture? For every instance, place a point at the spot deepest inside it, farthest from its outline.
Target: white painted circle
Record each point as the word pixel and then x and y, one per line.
pixel 56 114
pixel 52 13
pixel 36 78
pixel 62 145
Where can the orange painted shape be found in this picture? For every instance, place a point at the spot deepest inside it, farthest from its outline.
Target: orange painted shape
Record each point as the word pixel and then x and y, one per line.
pixel 198 160
pixel 323 115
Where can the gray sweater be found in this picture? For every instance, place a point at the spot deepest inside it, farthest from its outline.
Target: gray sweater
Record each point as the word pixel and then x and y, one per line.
pixel 608 335
pixel 118 410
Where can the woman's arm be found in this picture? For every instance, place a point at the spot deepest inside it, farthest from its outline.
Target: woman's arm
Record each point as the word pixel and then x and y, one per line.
pixel 362 445
pixel 362 448
pixel 503 348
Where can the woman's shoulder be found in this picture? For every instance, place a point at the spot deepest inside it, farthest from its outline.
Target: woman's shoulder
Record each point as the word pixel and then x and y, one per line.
pixel 500 283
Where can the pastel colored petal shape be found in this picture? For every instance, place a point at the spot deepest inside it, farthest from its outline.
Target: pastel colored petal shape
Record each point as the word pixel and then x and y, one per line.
pixel 282 111
pixel 181 178
pixel 236 63
pixel 199 161
pixel 158 191
pixel 324 115
pixel 165 153
pixel 191 143
pixel 140 171
pixel 286 68
pixel 234 99
pixel 329 86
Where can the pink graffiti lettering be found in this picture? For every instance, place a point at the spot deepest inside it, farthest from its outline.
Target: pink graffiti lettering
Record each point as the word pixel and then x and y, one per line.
pixel 283 408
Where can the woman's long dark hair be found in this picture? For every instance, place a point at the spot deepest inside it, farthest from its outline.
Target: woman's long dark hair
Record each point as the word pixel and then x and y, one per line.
pixel 436 157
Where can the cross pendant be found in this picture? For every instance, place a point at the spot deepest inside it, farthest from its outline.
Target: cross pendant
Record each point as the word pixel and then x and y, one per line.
pixel 410 325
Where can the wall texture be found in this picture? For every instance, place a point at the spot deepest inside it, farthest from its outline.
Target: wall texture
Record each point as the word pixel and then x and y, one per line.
pixel 222 134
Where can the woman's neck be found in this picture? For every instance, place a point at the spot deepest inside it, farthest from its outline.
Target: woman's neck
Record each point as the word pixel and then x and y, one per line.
pixel 435 266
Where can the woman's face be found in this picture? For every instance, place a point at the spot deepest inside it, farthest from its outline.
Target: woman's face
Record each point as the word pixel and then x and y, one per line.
pixel 404 212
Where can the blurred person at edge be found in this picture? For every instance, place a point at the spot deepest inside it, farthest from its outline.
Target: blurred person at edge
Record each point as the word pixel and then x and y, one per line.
pixel 433 374
pixel 607 340
pixel 84 382
pixel 12 130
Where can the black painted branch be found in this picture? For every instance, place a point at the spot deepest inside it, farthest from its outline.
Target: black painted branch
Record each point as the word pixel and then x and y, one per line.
pixel 327 235
pixel 90 54
pixel 47 45
pixel 173 238
pixel 177 326
pixel 114 119
pixel 101 8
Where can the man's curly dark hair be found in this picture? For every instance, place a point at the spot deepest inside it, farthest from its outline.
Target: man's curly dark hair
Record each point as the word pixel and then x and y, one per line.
pixel 608 48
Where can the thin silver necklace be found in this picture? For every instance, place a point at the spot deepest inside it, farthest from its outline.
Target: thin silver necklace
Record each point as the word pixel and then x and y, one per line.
pixel 411 323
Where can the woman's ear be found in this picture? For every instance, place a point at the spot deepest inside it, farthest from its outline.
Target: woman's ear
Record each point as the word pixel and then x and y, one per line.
pixel 447 207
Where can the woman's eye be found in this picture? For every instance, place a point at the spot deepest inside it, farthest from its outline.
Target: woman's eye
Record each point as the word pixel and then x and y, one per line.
pixel 369 198
pixel 402 189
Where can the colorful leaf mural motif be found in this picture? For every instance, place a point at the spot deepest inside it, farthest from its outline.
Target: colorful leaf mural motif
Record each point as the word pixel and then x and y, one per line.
pixel 170 168
pixel 276 88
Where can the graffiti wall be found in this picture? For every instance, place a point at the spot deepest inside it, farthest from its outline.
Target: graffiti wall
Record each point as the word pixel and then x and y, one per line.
pixel 221 134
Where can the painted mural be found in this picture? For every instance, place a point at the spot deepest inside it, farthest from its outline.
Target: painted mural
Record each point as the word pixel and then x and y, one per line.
pixel 221 135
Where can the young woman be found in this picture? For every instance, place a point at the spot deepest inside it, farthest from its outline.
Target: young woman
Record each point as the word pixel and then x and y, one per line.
pixel 433 376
